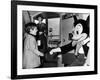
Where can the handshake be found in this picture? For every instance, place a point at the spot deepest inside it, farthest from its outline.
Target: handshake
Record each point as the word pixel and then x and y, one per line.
pixel 55 50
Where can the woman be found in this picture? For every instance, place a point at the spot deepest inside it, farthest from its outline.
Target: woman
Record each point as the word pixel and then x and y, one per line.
pixel 42 37
pixel 31 52
pixel 42 34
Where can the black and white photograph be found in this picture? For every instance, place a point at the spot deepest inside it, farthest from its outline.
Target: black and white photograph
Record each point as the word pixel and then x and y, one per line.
pixel 53 40
pixel 58 39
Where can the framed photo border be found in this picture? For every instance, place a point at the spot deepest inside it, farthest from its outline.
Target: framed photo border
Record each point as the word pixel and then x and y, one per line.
pixel 14 38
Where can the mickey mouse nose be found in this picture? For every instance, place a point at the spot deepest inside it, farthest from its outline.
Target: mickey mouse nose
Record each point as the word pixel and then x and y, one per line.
pixel 70 36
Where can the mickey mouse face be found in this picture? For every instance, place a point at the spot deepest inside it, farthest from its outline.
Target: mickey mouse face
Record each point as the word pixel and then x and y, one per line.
pixel 78 29
pixel 78 32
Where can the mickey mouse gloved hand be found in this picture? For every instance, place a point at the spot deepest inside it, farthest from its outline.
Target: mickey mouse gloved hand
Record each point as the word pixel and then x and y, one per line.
pixel 55 50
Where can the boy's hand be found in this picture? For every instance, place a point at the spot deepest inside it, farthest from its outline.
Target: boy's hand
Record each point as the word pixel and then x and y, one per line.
pixel 41 54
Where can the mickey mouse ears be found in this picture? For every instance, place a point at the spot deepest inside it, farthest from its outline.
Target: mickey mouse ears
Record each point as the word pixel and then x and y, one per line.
pixel 85 23
pixel 87 20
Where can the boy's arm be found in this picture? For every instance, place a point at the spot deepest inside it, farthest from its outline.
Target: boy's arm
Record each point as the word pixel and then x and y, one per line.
pixel 33 48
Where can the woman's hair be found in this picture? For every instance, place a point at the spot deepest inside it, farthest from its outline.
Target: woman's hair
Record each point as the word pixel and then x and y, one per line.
pixel 29 26
pixel 40 15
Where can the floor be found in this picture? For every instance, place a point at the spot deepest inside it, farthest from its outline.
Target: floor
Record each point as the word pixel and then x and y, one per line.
pixel 67 59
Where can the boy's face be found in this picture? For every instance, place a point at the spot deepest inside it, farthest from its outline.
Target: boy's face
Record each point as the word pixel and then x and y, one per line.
pixel 34 31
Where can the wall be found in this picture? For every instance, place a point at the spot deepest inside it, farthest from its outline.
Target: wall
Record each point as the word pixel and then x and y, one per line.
pixel 5 40
pixel 66 28
pixel 26 17
pixel 54 24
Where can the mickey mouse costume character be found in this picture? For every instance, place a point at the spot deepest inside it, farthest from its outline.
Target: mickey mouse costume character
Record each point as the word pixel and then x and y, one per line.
pixel 79 40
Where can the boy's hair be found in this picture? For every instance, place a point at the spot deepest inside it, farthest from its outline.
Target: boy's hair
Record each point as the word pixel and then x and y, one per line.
pixel 29 26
